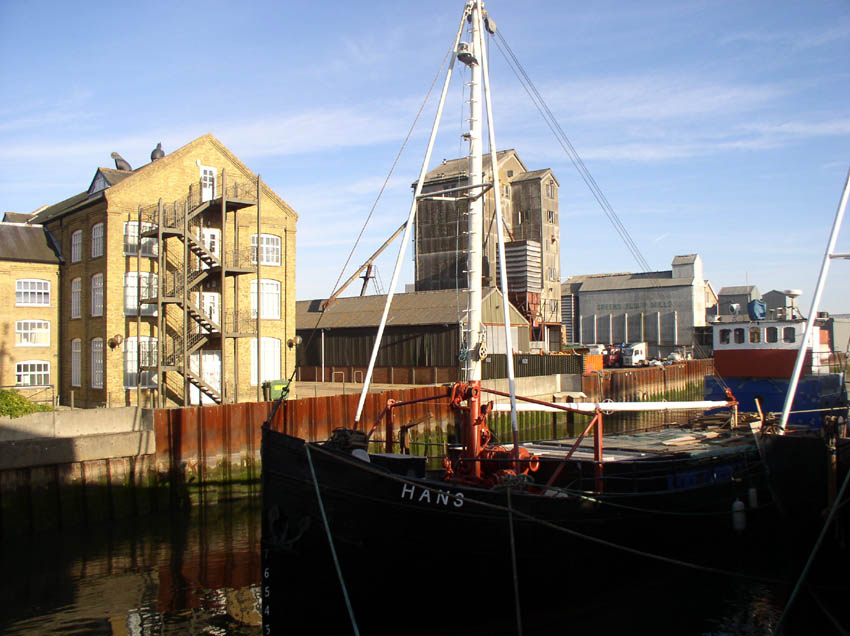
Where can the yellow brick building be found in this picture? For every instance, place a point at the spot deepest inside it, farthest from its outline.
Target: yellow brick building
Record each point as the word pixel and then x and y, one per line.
pixel 173 273
pixel 29 310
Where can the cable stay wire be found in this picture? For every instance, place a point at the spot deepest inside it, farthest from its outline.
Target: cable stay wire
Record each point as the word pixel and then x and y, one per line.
pixel 547 115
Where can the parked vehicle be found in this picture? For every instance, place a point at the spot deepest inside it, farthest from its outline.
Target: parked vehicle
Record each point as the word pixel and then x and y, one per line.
pixel 613 356
pixel 634 354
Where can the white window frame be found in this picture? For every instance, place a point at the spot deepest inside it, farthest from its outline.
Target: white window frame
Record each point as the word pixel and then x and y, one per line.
pixel 271 360
pixel 271 249
pixel 97 294
pixel 97 240
pixel 38 370
pixel 208 178
pixel 131 239
pixel 76 298
pixel 147 345
pixel 76 362
pixel 32 292
pixel 32 333
pixel 269 297
pixel 97 363
pixel 551 216
pixel 149 282
pixel 76 246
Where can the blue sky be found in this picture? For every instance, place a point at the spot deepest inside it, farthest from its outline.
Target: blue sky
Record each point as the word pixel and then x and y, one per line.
pixel 720 128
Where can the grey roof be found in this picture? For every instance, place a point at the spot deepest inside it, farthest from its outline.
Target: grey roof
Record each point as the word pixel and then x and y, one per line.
pixel 454 168
pixel 738 290
pixel 623 280
pixel 415 308
pixel 28 243
pixel 70 204
pixel 16 217
pixel 534 174
pixel 114 176
pixel 684 259
pixel 83 199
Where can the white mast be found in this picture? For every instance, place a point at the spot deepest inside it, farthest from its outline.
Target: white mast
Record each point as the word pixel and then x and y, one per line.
pixel 503 270
pixel 475 217
pixel 813 312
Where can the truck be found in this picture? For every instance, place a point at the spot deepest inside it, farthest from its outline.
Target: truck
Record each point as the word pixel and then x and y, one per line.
pixel 634 354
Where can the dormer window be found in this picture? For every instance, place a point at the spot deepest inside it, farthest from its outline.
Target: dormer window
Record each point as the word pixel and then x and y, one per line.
pixel 98 185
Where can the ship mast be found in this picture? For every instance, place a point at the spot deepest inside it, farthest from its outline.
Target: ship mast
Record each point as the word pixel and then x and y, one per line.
pixel 806 341
pixel 475 216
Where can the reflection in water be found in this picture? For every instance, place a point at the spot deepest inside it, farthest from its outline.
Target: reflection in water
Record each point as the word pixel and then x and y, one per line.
pixel 198 572
pixel 191 573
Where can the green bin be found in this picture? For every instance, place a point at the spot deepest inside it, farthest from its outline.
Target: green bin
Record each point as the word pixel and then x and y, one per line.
pixel 273 389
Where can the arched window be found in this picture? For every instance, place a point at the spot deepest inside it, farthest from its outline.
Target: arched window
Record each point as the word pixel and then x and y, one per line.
pixel 76 246
pixel 97 240
pixel 97 363
pixel 269 249
pixel 270 360
pixel 76 297
pixel 269 299
pixel 97 295
pixel 76 361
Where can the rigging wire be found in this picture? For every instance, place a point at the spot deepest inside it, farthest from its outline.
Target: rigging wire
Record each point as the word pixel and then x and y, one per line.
pixel 380 194
pixel 518 70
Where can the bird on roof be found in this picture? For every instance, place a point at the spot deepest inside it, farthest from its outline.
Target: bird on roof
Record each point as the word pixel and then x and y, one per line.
pixel 120 163
pixel 157 153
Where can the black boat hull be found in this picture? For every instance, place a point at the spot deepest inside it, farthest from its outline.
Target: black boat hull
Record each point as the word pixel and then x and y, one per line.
pixel 423 533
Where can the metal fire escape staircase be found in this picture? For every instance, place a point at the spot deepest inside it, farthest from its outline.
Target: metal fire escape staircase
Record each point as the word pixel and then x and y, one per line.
pixel 183 273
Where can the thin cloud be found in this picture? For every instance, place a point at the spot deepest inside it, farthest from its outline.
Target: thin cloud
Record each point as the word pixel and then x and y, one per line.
pixel 798 40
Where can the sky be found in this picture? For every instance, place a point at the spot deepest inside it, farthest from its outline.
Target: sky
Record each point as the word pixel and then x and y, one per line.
pixel 718 128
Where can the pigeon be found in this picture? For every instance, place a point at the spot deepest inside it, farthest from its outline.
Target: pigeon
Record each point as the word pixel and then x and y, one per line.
pixel 120 163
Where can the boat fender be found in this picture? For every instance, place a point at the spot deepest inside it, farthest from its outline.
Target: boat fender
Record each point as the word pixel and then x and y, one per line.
pixel 361 454
pixel 753 494
pixel 739 516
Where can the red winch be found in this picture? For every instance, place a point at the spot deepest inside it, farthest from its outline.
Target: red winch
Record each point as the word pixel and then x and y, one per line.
pixel 480 463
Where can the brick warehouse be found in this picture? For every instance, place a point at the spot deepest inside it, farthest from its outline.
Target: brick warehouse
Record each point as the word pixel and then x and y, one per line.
pixel 29 309
pixel 158 292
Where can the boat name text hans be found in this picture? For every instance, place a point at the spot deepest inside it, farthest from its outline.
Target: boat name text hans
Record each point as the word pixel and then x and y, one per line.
pixel 408 491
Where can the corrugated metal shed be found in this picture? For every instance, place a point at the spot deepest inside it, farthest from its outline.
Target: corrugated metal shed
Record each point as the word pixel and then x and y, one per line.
pixel 443 307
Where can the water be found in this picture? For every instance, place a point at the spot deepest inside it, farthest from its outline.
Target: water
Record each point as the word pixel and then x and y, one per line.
pixel 199 573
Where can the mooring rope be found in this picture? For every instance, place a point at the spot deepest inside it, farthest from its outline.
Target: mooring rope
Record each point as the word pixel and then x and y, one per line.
pixel 331 542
